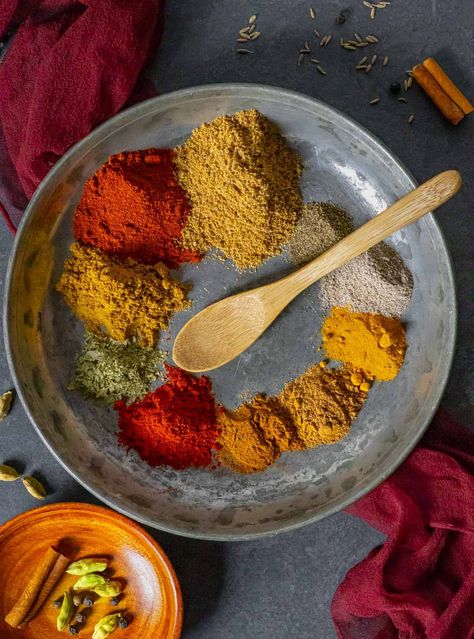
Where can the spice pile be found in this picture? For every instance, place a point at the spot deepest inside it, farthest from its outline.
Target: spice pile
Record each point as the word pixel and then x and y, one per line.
pixel 244 185
pixel 232 189
pixel 375 282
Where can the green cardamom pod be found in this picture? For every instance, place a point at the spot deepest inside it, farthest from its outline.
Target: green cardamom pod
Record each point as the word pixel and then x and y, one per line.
pixel 106 626
pixel 110 589
pixel 5 404
pixel 86 566
pixel 89 582
pixel 66 612
pixel 34 487
pixel 8 473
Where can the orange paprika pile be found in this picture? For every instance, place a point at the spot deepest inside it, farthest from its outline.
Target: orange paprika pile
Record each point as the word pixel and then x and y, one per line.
pixel 133 207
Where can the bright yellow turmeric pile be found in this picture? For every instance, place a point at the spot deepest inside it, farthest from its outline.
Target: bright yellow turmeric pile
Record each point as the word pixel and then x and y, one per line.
pixel 372 343
pixel 125 299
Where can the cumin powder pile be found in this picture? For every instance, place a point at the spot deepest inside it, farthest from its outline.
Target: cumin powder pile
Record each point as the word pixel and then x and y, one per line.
pixel 323 402
pixel 244 186
pixel 121 299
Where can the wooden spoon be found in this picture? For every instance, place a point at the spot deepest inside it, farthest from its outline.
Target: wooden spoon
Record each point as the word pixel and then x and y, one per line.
pixel 226 328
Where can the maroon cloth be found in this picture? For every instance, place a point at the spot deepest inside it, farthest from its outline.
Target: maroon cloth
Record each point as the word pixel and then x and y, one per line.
pixel 420 583
pixel 70 65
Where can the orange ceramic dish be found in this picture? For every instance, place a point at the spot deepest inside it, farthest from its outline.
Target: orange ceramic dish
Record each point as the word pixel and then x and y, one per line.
pixel 151 598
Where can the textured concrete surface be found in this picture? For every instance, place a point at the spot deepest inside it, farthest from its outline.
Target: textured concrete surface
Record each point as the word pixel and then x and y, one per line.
pixel 282 587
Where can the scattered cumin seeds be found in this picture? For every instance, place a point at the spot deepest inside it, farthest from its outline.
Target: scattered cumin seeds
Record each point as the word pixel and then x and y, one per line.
pixel 252 19
pixel 374 59
pixel 367 4
pixel 312 13
pixel 306 45
pixel 316 33
pixel 349 47
pixel 322 42
pixel 385 61
pixel 372 13
pixel 321 70
pixel 243 32
pixel 409 82
pixel 372 39
pixel 357 37
pixel 314 61
pixel 300 59
pixel 361 67
pixel 255 35
pixel 411 118
pixel 374 100
pixel 329 38
pixel 405 84
pixel 401 100
pixel 244 51
pixel 362 44
pixel 364 59
pixel 368 68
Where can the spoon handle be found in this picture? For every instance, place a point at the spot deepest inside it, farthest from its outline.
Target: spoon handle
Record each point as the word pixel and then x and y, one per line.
pixel 407 210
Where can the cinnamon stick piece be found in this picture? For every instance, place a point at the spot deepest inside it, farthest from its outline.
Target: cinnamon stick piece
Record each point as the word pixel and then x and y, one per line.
pixel 442 100
pixel 55 575
pixel 448 85
pixel 33 588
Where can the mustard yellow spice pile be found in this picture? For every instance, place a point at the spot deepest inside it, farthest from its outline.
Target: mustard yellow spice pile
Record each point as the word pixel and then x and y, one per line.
pixel 122 300
pixel 372 343
pixel 244 186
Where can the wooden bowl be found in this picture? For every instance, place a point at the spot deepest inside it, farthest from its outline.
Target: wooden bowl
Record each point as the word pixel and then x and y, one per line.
pixel 151 597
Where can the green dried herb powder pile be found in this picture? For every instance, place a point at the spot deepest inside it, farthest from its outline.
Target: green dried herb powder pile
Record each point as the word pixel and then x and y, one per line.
pixel 244 185
pixel 109 370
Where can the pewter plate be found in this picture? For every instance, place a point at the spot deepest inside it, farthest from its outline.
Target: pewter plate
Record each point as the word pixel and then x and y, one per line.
pixel 343 163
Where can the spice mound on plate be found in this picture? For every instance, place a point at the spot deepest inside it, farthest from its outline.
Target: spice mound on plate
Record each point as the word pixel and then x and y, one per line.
pixel 254 435
pixel 375 282
pixel 244 185
pixel 124 300
pixel 133 207
pixel 175 425
pixel 108 370
pixel 322 403
pixel 372 343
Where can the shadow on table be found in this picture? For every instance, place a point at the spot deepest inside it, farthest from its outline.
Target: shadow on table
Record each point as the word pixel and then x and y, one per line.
pixel 200 566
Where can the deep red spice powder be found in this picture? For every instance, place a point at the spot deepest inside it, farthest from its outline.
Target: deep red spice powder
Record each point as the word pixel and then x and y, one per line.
pixel 175 425
pixel 133 207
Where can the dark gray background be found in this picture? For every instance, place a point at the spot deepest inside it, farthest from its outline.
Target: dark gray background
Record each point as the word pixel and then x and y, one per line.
pixel 282 587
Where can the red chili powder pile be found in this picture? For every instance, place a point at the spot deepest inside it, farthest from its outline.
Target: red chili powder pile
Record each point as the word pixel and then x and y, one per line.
pixel 133 207
pixel 175 425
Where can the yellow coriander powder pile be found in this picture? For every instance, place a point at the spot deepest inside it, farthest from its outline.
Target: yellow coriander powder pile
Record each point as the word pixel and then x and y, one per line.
pixel 244 186
pixel 122 299
pixel 372 343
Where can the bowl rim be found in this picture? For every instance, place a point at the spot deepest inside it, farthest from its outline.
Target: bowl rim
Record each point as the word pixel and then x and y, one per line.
pixel 168 571
pixel 110 126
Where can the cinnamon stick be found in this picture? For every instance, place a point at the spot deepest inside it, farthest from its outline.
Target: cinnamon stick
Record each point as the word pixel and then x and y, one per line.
pixel 442 100
pixel 34 588
pixel 448 85
pixel 55 575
